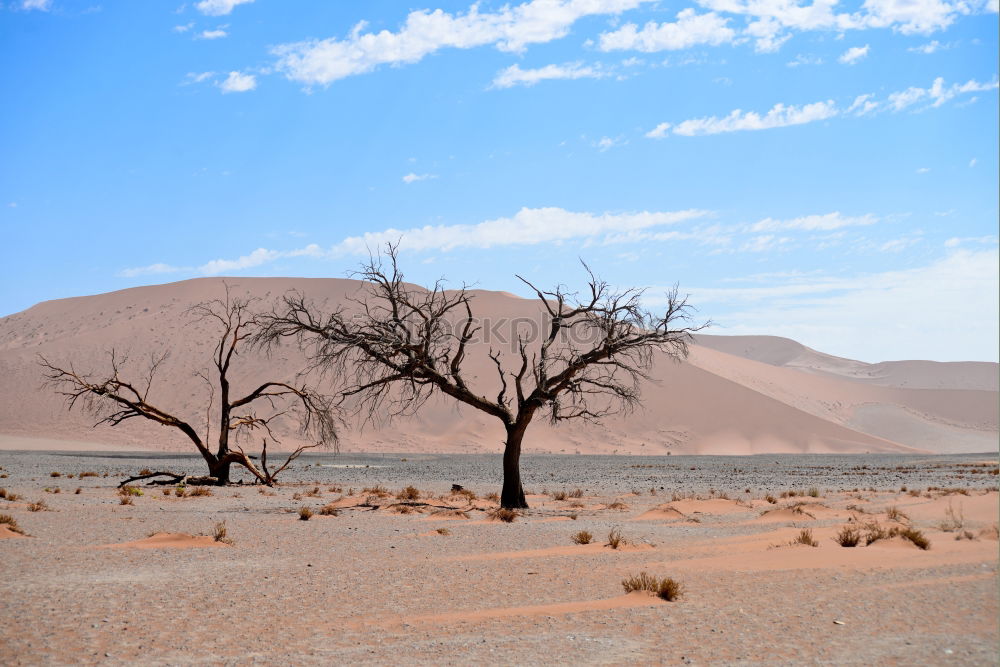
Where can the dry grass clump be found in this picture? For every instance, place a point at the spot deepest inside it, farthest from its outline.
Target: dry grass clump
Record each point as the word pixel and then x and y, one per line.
pixel 305 513
pixel 617 505
pixel 915 536
pixel 3 492
pixel 55 474
pixel 894 514
pixel 180 492
pixel 11 496
pixel 559 495
pixel 409 493
pixel 219 533
pixel 11 523
pixel 329 510
pixel 771 499
pixel 954 521
pixel 314 493
pixel 125 500
pixel 78 491
pixel 576 493
pixel 849 536
pixel 875 532
pixel 493 497
pixel 442 531
pixel 615 539
pixel 377 490
pixel 813 492
pixel 583 537
pixel 127 491
pixel 37 506
pixel 504 514
pixel 145 471
pixel 200 491
pixel 805 537
pixel 470 495
pixel 88 473
pixel 666 588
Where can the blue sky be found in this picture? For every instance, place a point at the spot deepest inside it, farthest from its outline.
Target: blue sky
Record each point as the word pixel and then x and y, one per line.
pixel 825 171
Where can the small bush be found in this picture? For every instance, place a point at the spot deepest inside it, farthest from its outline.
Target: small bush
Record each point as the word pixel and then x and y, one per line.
pixel 200 491
pixel 583 537
pixel 504 514
pixel 814 492
pixel 296 496
pixel 615 539
pixel 617 505
pixel 559 495
pixel 55 474
pixel 180 492
pixel 493 497
pixel 848 536
pixel 329 510
pixel 771 499
pixel 805 537
pixel 11 523
pixel 305 513
pixel 145 471
pixel 129 491
pixel 572 517
pixel 57 490
pixel 576 493
pixel 666 588
pixel 38 506
pixel 166 491
pixel 894 514
pixel 915 536
pixel 470 495
pixel 874 532
pixel 965 535
pixel 88 473
pixel 376 490
pixel 954 521
pixel 78 491
pixel 11 496
pixel 125 500
pixel 3 492
pixel 219 533
pixel 409 493
pixel 442 531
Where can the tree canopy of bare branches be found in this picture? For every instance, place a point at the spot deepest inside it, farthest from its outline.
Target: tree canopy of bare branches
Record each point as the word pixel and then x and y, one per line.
pixel 399 344
pixel 115 398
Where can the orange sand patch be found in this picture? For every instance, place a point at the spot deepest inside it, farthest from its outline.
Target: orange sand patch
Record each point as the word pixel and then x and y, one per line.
pixel 568 550
pixel 782 515
pixel 446 515
pixel 168 541
pixel 710 506
pixel 6 532
pixel 550 519
pixel 630 600
pixel 661 513
pixel 980 509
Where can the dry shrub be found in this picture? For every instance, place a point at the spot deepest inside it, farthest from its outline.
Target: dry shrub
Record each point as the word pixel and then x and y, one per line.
pixel 849 536
pixel 377 490
pixel 617 505
pixel 219 533
pixel 915 536
pixel 125 500
pixel 335 489
pixel 11 496
pixel 504 514
pixel 572 517
pixel 493 497
pixel 11 523
pixel 296 496
pixel 583 537
pixel 57 490
pixel 813 492
pixel 559 495
pixel 305 513
pixel 666 588
pixel 180 492
pixel 965 535
pixel 78 491
pixel 805 537
pixel 166 491
pixel 771 499
pixel 3 492
pixel 615 539
pixel 409 493
pixel 402 509
pixel 329 510
pixel 953 521
pixel 315 493
pixel 38 506
pixel 127 491
pixel 442 531
pixel 88 473
pixel 200 491
pixel 894 514
pixel 470 495
pixel 55 474
pixel 145 471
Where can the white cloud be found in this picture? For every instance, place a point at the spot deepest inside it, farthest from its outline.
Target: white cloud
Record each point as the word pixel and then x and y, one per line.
pixel 805 60
pixel 238 83
pixel 183 28
pixel 658 132
pixel 930 47
pixel 690 29
pixel 196 77
pixel 875 317
pixel 853 55
pixel 863 104
pixel 39 5
pixel 218 7
pixel 923 170
pixel 514 75
pixel 606 143
pixel 511 28
pixel 912 16
pixel 152 269
pixel 779 116
pixel 218 33
pixel 937 94
pixel 826 222
pixel 972 162
pixel 413 178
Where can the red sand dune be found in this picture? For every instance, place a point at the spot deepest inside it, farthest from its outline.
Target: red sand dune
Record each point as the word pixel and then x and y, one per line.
pixel 168 541
pixel 735 395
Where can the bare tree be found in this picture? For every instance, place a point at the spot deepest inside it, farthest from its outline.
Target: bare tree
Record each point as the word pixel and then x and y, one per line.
pixel 400 344
pixel 116 399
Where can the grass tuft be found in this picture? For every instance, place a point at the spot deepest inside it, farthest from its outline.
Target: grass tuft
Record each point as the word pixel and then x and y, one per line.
pixel 442 531
pixel 849 536
pixel 583 537
pixel 129 491
pixel 200 491
pixel 329 510
pixel 55 474
pixel 504 514
pixel 219 533
pixel 666 588
pixel 409 493
pixel 805 537
pixel 11 523
pixel 38 506
pixel 305 513
pixel 615 539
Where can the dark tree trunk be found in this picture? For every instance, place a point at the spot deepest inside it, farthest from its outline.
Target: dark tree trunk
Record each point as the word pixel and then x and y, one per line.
pixel 512 496
pixel 220 471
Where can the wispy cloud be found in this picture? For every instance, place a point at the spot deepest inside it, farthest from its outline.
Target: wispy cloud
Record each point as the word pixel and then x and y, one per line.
pixel 805 60
pixel 218 33
pixel 36 5
pixel 413 178
pixel 238 83
pixel 514 75
pixel 183 28
pixel 219 7
pixel 826 222
pixel 510 28
pixel 854 55
pixel 690 29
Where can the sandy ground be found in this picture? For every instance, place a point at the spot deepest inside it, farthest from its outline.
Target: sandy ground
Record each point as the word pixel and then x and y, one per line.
pixel 437 581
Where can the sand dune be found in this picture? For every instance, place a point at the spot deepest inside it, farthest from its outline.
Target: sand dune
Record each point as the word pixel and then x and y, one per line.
pixel 735 395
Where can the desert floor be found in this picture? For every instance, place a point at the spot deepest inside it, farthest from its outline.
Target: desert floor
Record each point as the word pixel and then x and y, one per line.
pixel 437 580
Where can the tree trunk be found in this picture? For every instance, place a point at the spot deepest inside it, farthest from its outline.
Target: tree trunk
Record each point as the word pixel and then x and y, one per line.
pixel 512 496
pixel 220 471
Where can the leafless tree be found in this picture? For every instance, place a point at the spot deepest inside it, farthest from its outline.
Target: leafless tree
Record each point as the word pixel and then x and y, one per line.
pixel 115 399
pixel 399 344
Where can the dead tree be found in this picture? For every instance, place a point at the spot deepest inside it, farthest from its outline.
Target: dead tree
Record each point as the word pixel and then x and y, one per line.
pixel 116 399
pixel 399 344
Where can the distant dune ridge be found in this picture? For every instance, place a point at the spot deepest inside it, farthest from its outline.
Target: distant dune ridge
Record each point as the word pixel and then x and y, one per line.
pixel 734 394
